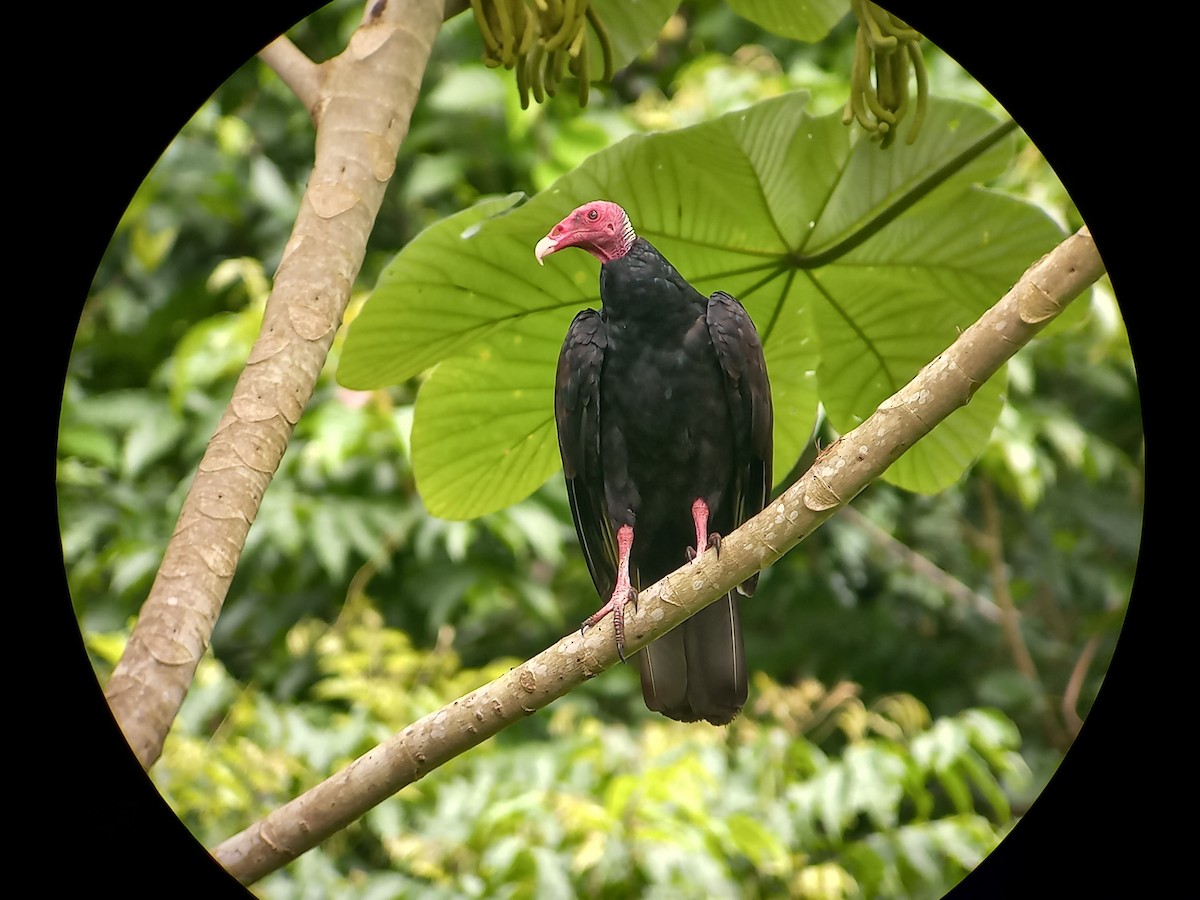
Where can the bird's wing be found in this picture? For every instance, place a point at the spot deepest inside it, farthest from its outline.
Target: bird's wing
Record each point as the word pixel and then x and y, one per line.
pixel 577 415
pixel 741 356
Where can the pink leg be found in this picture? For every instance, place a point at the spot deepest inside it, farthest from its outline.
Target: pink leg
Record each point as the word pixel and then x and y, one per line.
pixel 623 592
pixel 703 537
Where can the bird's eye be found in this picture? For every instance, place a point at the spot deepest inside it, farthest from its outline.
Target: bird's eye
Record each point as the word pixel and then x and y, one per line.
pixel 592 215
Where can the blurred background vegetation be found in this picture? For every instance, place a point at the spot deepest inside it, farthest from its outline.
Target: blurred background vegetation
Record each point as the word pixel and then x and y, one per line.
pixel 896 728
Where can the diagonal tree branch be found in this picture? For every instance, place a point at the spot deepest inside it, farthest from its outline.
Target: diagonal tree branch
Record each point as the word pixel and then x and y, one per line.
pixel 366 97
pixel 838 475
pixel 922 566
pixel 297 71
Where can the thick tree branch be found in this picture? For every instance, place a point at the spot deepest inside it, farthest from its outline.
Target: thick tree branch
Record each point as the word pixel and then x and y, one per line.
pixel 837 476
pixel 295 69
pixel 303 76
pixel 366 100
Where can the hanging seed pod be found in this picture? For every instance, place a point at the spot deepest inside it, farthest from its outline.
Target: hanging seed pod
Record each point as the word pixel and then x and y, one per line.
pixel 542 40
pixel 886 47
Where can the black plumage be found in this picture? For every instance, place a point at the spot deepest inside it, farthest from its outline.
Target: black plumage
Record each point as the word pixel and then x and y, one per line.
pixel 664 414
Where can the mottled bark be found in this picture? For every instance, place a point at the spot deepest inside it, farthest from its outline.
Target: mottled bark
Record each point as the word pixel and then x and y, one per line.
pixel 362 104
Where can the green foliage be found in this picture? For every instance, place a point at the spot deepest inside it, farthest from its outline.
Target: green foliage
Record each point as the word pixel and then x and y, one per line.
pixel 815 794
pixel 804 20
pixel 354 611
pixel 632 26
pixel 786 202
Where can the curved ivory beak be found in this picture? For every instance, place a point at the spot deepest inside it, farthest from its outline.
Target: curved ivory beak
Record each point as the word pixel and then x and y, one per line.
pixel 544 248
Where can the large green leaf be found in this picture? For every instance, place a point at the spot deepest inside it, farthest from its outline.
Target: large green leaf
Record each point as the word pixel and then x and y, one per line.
pixel 779 208
pixel 632 26
pixel 804 20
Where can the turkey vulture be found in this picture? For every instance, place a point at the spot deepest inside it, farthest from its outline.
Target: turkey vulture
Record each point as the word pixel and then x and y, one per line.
pixel 665 429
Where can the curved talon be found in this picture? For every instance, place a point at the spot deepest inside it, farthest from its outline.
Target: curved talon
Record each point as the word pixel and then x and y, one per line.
pixel 617 608
pixel 714 541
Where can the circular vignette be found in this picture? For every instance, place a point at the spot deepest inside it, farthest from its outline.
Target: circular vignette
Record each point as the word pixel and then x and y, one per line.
pixel 139 78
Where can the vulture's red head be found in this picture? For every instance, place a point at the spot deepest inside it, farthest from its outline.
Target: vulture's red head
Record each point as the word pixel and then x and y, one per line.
pixel 600 227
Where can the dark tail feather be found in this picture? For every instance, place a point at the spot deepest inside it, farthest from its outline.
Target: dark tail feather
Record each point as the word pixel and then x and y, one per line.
pixel 698 671
pixel 664 676
pixel 717 683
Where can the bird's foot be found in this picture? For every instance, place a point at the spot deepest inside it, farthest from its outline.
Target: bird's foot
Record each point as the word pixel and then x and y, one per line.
pixel 714 541
pixel 616 605
pixel 704 537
